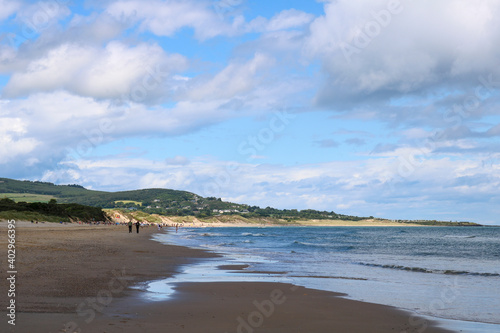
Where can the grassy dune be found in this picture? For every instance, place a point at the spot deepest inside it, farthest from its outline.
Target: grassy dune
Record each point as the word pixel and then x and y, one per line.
pixel 123 215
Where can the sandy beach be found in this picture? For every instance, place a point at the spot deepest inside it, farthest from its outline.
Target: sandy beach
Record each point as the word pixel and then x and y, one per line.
pixel 74 278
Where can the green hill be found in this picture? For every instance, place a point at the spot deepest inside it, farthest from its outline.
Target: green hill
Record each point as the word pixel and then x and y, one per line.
pixel 152 201
pixel 76 193
pixel 166 202
pixel 161 201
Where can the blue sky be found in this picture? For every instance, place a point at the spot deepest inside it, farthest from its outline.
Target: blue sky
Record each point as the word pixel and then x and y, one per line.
pixel 383 108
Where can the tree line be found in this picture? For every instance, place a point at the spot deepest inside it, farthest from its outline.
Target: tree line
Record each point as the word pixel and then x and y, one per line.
pixel 66 212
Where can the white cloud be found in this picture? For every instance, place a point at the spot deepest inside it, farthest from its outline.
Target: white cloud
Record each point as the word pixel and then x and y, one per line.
pixel 374 52
pixel 93 29
pixel 139 72
pixel 61 124
pixel 12 149
pixel 7 58
pixel 284 20
pixel 56 122
pixel 164 18
pixel 233 80
pixel 7 8
pixel 41 15
pixel 12 141
pixel 287 19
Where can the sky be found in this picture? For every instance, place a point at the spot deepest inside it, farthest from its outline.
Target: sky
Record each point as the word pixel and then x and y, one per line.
pixel 386 108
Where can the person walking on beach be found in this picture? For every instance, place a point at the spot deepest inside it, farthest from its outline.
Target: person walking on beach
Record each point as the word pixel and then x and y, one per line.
pixel 129 227
pixel 137 225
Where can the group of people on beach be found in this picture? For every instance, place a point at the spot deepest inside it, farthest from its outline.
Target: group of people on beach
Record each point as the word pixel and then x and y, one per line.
pixel 137 226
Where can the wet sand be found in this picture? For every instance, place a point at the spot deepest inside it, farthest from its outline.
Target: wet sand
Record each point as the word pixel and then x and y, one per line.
pixel 79 278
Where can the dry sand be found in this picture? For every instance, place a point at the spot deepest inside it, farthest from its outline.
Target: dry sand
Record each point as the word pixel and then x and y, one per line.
pixel 66 273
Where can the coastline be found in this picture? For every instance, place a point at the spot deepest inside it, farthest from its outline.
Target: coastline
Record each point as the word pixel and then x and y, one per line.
pixel 240 221
pixel 62 267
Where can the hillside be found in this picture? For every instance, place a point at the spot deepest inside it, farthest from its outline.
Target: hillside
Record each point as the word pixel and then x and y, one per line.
pixel 167 202
pixel 151 201
pixel 49 212
pixel 160 201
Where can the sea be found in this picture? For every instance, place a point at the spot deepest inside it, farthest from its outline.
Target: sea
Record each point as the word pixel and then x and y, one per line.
pixel 446 273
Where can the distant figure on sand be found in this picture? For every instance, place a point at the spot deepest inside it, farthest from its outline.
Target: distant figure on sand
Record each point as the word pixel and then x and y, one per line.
pixel 130 227
pixel 137 225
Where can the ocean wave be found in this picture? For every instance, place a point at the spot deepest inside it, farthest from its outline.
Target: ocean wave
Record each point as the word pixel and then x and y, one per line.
pixel 328 277
pixel 433 271
pixel 398 267
pixel 452 272
pixel 246 234
pixel 309 244
pixel 211 234
pixel 425 254
pixel 226 244
pixel 323 245
pixel 459 236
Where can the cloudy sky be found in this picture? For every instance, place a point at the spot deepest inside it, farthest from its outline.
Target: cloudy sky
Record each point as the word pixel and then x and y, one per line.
pixel 381 107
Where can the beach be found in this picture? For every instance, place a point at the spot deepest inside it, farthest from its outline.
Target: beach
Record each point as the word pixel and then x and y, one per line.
pixel 80 278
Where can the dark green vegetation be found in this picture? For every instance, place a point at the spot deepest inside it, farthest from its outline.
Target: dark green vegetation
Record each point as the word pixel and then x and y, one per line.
pixel 50 212
pixel 166 202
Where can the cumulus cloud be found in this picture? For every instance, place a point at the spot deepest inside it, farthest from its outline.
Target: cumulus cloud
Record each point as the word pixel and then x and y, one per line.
pixel 164 18
pixel 13 143
pixel 93 29
pixel 37 12
pixel 112 72
pixel 375 52
pixel 55 122
pixel 7 56
pixel 45 128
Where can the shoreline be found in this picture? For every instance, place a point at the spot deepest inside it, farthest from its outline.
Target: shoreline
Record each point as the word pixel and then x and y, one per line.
pixel 192 222
pixel 238 266
pixel 61 268
pixel 117 216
